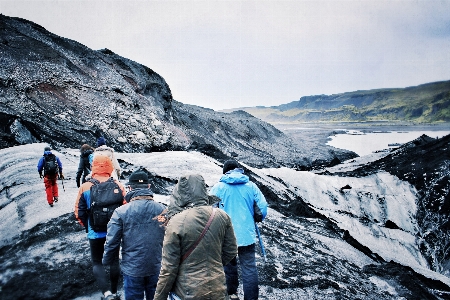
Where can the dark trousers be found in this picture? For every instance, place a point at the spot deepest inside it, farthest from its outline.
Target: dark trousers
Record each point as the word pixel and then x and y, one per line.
pixel 247 264
pixel 134 287
pixel 97 248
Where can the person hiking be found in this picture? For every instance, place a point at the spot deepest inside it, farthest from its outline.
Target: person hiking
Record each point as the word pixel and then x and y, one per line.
pixel 51 166
pixel 193 259
pixel 84 166
pixel 134 227
pixel 238 196
pixel 102 149
pixel 102 168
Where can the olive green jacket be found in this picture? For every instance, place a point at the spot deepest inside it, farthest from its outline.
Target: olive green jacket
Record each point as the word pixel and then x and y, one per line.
pixel 201 275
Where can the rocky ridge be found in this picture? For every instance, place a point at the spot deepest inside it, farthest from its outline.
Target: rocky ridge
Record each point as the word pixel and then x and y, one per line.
pixel 58 91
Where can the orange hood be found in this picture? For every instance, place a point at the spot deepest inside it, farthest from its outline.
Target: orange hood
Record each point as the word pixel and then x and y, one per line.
pixel 102 165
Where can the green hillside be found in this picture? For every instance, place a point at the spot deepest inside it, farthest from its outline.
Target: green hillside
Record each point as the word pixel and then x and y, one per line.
pixel 426 103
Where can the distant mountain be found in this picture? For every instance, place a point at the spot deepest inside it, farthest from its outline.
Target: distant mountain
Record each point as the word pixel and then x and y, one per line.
pixel 426 103
pixel 58 91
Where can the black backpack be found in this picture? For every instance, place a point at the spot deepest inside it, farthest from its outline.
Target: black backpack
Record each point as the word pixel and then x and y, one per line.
pixel 105 198
pixel 50 164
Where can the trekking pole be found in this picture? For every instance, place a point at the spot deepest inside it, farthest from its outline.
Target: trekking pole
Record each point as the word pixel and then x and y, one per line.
pixel 261 245
pixel 62 181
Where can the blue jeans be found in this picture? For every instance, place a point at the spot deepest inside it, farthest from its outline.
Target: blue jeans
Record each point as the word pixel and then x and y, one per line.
pixel 247 263
pixel 134 287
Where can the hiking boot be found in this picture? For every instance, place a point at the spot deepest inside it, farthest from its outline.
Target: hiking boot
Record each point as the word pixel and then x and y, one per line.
pixel 51 204
pixel 233 297
pixel 55 199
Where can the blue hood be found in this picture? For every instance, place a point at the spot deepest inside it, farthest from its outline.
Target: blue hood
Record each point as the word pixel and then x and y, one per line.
pixel 235 176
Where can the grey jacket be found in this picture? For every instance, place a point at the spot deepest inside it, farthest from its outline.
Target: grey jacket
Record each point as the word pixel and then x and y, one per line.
pixel 133 226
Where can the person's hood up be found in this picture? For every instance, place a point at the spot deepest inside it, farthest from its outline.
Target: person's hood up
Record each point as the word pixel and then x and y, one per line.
pixel 138 192
pixel 235 176
pixel 190 191
pixel 102 166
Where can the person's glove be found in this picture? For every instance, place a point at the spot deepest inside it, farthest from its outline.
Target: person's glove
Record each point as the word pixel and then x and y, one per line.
pixel 40 175
pixel 61 175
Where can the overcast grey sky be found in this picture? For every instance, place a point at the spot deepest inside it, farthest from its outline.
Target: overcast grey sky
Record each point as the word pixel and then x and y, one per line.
pixel 228 54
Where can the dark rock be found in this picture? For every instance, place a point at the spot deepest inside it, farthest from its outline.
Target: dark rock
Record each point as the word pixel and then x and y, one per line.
pixel 58 91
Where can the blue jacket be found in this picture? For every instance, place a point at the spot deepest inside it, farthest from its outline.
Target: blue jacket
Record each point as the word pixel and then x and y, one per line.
pixel 237 196
pixel 40 165
pixel 133 227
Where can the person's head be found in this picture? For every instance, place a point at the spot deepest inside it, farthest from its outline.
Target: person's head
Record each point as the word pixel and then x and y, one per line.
pixel 47 148
pixel 85 147
pixel 230 165
pixel 102 166
pixel 101 141
pixel 138 180
pixel 190 191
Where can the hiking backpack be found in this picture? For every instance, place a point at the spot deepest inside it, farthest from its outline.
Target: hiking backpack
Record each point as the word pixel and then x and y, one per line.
pixel 105 198
pixel 50 164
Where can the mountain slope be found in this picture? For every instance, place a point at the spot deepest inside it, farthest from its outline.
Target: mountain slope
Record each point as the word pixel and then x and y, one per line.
pixel 58 91
pixel 424 103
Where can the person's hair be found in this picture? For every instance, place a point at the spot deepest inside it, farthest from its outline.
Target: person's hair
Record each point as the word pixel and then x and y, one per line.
pixel 230 165
pixel 85 147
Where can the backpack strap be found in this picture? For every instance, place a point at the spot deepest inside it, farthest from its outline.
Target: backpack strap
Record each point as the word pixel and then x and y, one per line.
pixel 186 255
pixel 94 181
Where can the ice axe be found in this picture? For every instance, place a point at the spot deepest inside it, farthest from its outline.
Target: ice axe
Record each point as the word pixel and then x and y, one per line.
pixel 261 245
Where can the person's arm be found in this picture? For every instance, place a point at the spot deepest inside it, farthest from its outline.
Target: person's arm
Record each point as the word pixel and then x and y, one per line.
pixel 171 257
pixel 229 246
pixel 113 238
pixel 260 201
pixel 40 165
pixel 80 171
pixel 81 209
pixel 59 165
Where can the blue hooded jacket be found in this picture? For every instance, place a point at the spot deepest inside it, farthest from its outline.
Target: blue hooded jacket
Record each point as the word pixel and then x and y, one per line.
pixel 40 165
pixel 237 196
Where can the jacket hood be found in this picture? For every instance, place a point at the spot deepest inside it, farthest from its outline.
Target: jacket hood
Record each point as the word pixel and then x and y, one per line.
pixel 138 192
pixel 235 176
pixel 102 165
pixel 190 191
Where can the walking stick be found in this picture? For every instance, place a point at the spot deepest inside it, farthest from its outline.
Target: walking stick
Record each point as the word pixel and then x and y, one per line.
pixel 62 181
pixel 261 245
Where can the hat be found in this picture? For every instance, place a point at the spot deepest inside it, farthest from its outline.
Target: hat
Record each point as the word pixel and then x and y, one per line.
pixel 102 165
pixel 138 177
pixel 101 141
pixel 47 148
pixel 230 165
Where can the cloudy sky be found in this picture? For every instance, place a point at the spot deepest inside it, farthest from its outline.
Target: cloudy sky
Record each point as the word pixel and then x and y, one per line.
pixel 228 54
